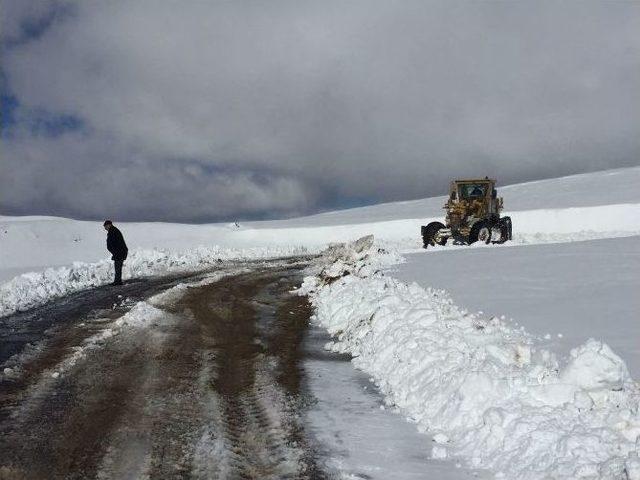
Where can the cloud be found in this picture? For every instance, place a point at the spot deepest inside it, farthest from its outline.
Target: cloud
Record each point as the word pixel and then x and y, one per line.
pixel 216 110
pixel 98 177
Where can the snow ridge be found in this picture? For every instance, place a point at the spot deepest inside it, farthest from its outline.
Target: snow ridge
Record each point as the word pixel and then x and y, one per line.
pixel 36 288
pixel 481 387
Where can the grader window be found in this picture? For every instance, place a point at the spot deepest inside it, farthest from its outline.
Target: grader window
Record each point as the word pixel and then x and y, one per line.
pixel 472 190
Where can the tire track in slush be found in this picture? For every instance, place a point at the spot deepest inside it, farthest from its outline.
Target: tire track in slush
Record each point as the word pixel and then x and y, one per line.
pixel 257 379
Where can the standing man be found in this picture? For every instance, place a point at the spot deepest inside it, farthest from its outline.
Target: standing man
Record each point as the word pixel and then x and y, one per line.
pixel 117 248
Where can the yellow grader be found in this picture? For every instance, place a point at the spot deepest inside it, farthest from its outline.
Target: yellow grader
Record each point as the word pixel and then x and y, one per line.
pixel 473 215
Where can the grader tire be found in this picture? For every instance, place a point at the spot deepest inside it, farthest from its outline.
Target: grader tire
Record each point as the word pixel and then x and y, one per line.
pixel 480 229
pixel 505 229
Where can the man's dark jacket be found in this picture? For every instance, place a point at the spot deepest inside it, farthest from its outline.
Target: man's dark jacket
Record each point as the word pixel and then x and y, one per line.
pixel 116 245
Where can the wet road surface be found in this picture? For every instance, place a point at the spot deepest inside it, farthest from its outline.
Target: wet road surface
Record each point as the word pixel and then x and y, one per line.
pixel 212 388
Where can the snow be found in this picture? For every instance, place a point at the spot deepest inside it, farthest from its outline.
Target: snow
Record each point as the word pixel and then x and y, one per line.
pixel 569 292
pixel 359 437
pixel 36 288
pixel 594 367
pixel 485 388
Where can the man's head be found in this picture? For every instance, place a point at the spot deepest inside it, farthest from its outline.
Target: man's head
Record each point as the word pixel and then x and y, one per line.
pixel 107 225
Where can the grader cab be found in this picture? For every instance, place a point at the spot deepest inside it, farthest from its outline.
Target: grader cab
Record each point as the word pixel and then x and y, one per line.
pixel 472 215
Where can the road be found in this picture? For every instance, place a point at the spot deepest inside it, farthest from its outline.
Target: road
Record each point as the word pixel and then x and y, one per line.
pixel 214 389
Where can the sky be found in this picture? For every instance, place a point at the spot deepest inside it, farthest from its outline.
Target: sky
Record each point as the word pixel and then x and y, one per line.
pixel 198 111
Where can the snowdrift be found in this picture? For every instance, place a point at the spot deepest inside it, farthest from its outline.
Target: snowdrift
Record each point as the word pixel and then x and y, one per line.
pixel 483 389
pixel 33 289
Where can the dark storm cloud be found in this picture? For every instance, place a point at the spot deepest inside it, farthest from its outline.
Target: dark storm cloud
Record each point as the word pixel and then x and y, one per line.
pixel 210 110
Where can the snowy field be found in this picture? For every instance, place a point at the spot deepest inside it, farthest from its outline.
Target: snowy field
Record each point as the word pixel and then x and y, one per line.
pixel 518 389
pixel 564 293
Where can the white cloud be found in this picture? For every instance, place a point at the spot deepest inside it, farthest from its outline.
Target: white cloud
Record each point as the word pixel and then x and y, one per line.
pixel 303 105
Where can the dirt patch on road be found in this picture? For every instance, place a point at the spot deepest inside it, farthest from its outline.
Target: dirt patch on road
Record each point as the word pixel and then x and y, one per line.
pixel 254 328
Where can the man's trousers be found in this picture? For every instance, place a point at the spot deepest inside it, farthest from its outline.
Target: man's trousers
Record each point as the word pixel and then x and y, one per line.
pixel 118 265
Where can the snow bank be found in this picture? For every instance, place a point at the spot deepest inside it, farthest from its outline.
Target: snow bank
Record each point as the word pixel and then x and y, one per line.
pixel 32 289
pixel 602 218
pixel 481 387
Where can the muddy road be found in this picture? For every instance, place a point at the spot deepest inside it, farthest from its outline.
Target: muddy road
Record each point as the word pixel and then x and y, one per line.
pixel 212 386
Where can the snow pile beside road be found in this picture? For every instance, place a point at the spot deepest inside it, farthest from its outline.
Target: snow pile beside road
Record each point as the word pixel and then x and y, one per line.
pixel 360 258
pixel 481 387
pixel 36 288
